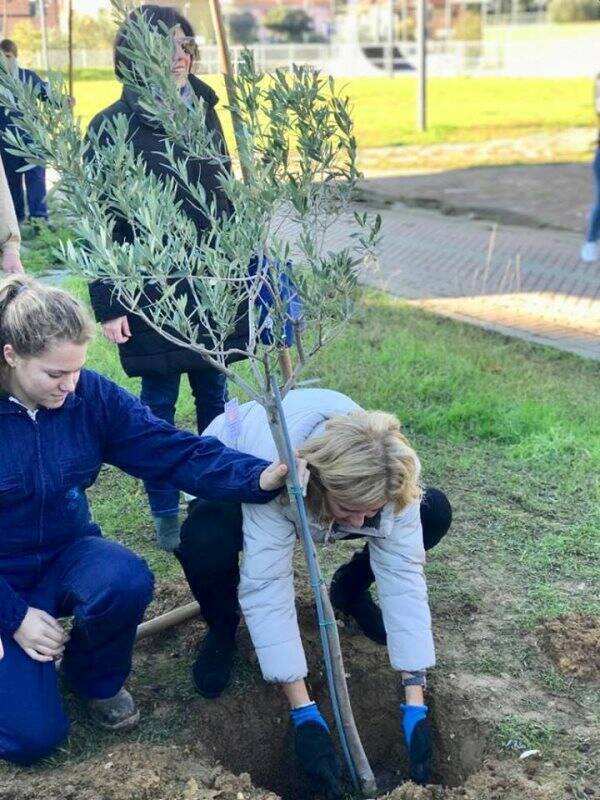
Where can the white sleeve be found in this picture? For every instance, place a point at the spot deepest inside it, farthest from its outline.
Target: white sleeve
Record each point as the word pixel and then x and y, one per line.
pixel 397 562
pixel 266 592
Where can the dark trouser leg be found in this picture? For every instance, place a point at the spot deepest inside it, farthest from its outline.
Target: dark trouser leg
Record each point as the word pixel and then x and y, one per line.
pixel 35 186
pixel 160 393
pixel 15 182
pixel 106 588
pixel 351 582
pixel 209 387
pixel 211 540
pixel 436 516
pixel 593 231
pixel 32 718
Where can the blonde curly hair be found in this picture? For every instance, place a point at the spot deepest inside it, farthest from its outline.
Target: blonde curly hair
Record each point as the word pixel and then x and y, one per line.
pixel 361 458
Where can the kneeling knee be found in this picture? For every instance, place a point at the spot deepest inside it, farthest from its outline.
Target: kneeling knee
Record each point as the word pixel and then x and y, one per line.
pixel 128 590
pixel 135 590
pixel 28 747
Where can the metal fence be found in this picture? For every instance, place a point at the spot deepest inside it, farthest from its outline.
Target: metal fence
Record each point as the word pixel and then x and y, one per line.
pixel 552 58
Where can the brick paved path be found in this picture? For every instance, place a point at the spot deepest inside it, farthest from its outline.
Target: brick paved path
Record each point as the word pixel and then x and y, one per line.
pixel 520 281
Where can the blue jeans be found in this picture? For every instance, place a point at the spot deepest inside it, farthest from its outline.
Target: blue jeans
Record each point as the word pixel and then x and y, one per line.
pixel 160 393
pixel 35 186
pixel 594 224
pixel 106 589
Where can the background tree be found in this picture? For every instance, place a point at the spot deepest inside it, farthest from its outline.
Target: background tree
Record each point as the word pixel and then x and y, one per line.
pixel 574 10
pixel 290 24
pixel 242 27
pixel 27 37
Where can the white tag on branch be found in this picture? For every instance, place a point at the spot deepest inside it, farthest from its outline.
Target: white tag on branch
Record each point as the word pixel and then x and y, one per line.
pixel 232 419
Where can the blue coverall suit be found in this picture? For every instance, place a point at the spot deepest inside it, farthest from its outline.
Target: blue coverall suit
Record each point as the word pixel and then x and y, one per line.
pixel 35 177
pixel 52 554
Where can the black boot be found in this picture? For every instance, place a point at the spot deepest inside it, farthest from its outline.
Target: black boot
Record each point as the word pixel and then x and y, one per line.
pixel 349 593
pixel 214 661
pixel 211 538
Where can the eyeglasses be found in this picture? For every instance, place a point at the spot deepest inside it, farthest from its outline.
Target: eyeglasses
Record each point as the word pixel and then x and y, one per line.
pixel 187 44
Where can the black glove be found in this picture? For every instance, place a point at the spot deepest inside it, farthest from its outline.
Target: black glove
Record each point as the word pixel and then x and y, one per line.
pixel 417 735
pixel 316 754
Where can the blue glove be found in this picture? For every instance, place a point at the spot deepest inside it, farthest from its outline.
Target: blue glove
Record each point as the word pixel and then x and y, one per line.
pixel 417 736
pixel 309 713
pixel 316 753
pixel 269 273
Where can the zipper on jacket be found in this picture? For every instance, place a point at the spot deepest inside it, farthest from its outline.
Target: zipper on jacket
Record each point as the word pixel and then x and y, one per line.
pixel 38 444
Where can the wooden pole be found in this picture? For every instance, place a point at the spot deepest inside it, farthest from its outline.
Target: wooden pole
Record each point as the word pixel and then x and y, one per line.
pixel 285 361
pixel 70 19
pixel 44 32
pixel 422 65
pixel 227 72
pixel 168 620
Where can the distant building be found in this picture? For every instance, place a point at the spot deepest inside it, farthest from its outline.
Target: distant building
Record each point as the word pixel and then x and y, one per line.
pixel 15 11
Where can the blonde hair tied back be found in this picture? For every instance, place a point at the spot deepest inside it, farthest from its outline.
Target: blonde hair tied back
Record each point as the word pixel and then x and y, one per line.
pixel 33 317
pixel 361 458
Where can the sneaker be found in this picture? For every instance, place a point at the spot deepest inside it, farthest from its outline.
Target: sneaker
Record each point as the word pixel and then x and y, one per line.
pixel 115 713
pixel 363 610
pixel 214 662
pixel 589 252
pixel 167 532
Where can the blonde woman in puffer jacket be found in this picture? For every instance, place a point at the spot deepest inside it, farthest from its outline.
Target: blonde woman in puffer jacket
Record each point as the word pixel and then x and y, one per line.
pixel 364 482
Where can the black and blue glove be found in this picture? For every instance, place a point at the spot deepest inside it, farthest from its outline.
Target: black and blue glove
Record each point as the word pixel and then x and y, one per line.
pixel 272 278
pixel 417 735
pixel 316 753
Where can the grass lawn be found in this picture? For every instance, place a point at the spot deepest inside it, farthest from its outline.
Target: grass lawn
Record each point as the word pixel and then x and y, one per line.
pixel 460 109
pixel 544 32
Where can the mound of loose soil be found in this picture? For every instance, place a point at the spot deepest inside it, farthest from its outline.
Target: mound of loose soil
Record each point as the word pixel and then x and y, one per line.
pixel 573 643
pixel 496 781
pixel 136 772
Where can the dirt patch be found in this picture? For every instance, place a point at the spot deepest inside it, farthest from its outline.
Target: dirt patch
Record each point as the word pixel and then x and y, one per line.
pixel 250 729
pixel 573 643
pixel 188 748
pixel 167 596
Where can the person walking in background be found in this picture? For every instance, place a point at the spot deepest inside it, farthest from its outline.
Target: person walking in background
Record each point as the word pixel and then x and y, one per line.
pixel 10 237
pixel 32 181
pixel 589 249
pixel 143 351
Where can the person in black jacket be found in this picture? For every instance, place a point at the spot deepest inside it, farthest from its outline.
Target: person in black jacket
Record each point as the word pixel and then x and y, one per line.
pixel 143 351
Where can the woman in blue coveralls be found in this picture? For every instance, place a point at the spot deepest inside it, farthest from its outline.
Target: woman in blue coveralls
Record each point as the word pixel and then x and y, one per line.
pixel 58 424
